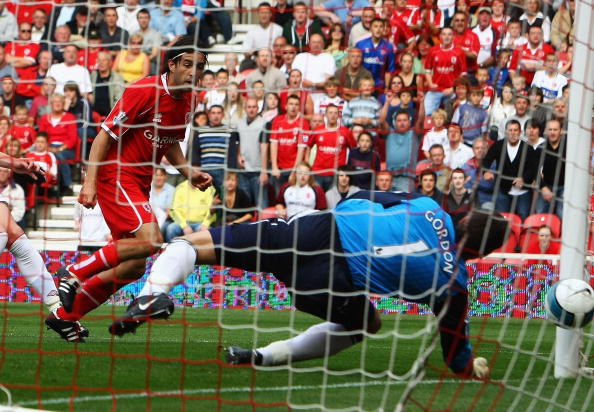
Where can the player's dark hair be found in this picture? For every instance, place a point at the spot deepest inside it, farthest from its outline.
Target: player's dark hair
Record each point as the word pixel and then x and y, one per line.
pixel 481 232
pixel 183 45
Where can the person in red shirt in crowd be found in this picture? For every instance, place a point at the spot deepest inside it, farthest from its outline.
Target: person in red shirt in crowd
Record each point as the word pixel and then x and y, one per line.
pixel 22 52
pixel 24 9
pixel 87 57
pixel 45 159
pixel 543 245
pixel 498 19
pixel 401 12
pixel 443 65
pixel 466 39
pixel 60 127
pixel 287 142
pixel 428 19
pixel 31 78
pixel 21 129
pixel 119 177
pixel 295 79
pixel 332 141
pixel 529 58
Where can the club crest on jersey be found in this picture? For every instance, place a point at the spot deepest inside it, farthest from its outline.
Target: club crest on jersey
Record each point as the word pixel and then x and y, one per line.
pixel 158 117
pixel 454 59
pixel 120 118
pixel 147 207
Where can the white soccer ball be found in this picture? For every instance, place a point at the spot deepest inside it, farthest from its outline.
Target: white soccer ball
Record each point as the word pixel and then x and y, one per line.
pixel 570 303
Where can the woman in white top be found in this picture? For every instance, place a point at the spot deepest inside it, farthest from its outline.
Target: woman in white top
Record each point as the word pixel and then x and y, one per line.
pixel 502 109
pixel 233 106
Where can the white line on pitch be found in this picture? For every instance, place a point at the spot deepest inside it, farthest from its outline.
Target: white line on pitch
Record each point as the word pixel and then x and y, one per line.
pixel 209 391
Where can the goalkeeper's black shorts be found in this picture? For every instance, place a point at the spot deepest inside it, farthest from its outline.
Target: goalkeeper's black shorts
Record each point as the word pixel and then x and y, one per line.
pixel 306 255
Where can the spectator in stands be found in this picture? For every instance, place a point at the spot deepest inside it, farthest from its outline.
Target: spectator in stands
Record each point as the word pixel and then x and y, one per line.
pixel 390 100
pixel 161 198
pixel 80 26
pixel 258 92
pixel 472 168
pixel 13 148
pixel 533 17
pixel 521 115
pixel 190 211
pixel 223 21
pixel 530 57
pixel 31 78
pixel 298 31
pixel 472 117
pixel 11 98
pixel 132 63
pixel 411 81
pixel 342 188
pixel 287 144
pixel 40 105
pixel 215 92
pixel 295 80
pixel 400 26
pixel 253 149
pixel 233 106
pixel 363 110
pixel 443 65
pixel 383 181
pixel 458 200
pixel 128 16
pixel 71 71
pixel 332 141
pixel 277 51
pixel 80 107
pixel 44 158
pixel 424 45
pixel 108 85
pixel 562 24
pixel 438 134
pixel 8 27
pixel 21 129
pixel 272 77
pixel 499 73
pixel 364 161
pixel 549 80
pixel 60 127
pixel 214 147
pixel 4 111
pixel 533 135
pixel 22 53
pixel 538 111
pixel 283 12
pixel 503 109
pixel 456 152
pixel 401 152
pixel 40 29
pixel 552 179
pixel 560 111
pixel 488 38
pixel 516 170
pixel 362 29
pixel 442 171
pixel 262 35
pixel 482 76
pixel 300 193
pixel 337 44
pixel 271 107
pixel 466 39
pixel 315 65
pixel 288 57
pixel 330 96
pixel 427 19
pixel 427 186
pixel 12 193
pixel 61 39
pixel 63 13
pixel 236 204
pixel 152 41
pixel 345 12
pixel 6 69
pixel 351 75
pixel 543 246
pixel 113 36
pixel 378 54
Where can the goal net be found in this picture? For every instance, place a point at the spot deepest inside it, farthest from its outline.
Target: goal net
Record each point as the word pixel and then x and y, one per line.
pixel 242 130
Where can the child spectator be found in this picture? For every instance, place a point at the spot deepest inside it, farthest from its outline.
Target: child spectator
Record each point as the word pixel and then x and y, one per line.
pixel 519 84
pixel 438 134
pixel 363 110
pixel 44 158
pixel 364 161
pixel 472 117
pixel 161 198
pixel 21 129
pixel 482 77
pixel 5 136
pixel 271 106
pixel 216 95
pixel 502 110
pixel 499 74
pixel 406 104
pixel 258 92
pixel 322 100
pixel 300 193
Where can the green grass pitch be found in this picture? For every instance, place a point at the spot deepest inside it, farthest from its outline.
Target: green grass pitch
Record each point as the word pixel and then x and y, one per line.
pixel 185 354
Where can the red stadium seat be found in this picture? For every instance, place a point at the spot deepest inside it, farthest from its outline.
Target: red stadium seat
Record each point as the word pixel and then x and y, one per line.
pixel 533 222
pixel 515 223
pixel 510 246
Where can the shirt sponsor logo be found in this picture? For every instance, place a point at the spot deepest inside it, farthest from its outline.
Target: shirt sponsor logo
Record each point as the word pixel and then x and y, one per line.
pixel 158 117
pixel 160 141
pixel 120 118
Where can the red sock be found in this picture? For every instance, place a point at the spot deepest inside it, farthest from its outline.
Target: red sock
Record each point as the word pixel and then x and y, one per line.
pixel 93 294
pixel 103 259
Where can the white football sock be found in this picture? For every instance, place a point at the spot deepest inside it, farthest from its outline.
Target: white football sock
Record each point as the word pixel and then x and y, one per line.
pixel 33 269
pixel 311 344
pixel 172 267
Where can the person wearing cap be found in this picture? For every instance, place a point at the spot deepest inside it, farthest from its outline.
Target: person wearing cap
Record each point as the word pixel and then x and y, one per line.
pixel 80 25
pixel 488 37
pixel 71 71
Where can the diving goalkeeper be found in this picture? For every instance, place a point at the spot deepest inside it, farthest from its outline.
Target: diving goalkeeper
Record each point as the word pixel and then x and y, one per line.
pixel 394 244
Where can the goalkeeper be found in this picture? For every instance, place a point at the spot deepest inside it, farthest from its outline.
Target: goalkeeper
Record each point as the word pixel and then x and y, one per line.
pixel 395 244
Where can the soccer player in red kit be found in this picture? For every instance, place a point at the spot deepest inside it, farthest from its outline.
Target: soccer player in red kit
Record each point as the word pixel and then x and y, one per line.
pixel 147 123
pixel 332 140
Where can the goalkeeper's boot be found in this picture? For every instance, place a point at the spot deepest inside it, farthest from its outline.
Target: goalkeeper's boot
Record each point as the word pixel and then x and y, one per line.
pixel 71 331
pixel 238 356
pixel 67 288
pixel 141 310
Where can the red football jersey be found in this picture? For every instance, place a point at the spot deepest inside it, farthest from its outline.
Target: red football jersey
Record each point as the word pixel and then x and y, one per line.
pixel 284 96
pixel 27 50
pixel 447 65
pixel 88 58
pixel 24 11
pixel 47 161
pixel 468 41
pixel 29 83
pixel 145 123
pixel 288 135
pixel 525 54
pixel 331 148
pixel 24 133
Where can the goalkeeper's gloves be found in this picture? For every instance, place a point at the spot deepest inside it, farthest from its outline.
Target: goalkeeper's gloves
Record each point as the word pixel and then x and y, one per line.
pixel 480 368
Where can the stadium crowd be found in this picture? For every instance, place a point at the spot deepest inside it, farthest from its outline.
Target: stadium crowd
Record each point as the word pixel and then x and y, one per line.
pixel 463 101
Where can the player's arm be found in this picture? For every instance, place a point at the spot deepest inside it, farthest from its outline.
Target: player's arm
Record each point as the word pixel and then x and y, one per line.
pixel 99 149
pixel 176 158
pixel 21 165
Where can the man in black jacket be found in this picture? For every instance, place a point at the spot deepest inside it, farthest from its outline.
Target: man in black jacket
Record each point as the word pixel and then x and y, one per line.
pixel 552 179
pixel 517 165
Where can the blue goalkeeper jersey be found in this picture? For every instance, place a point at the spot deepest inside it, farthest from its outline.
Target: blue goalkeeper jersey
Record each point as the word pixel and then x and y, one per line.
pixel 399 244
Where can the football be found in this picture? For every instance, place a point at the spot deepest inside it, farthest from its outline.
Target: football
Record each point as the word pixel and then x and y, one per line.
pixel 570 303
